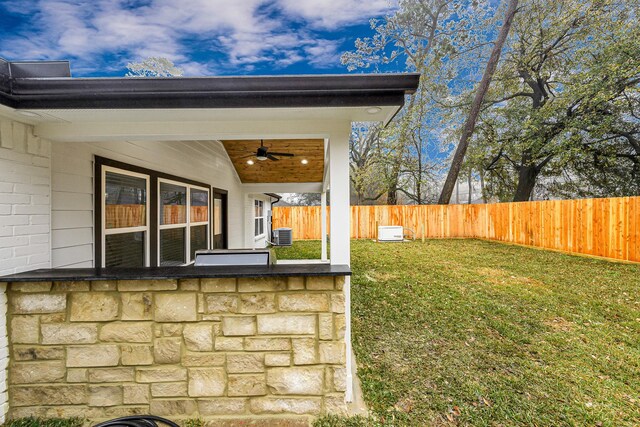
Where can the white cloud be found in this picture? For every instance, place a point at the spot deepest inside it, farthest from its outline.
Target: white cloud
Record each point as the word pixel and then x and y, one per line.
pixel 333 14
pixel 86 31
pixel 192 68
pixel 206 16
pixel 290 59
pixel 244 33
pixel 323 54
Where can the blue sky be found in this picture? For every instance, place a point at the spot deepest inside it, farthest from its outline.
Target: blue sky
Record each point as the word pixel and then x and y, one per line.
pixel 203 37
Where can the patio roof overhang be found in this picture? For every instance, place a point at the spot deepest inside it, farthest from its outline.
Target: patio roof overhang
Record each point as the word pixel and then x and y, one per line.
pixel 317 108
pixel 44 94
pixel 48 85
pixel 299 113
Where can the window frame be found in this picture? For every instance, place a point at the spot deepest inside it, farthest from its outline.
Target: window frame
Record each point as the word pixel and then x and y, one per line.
pixel 104 232
pixel 187 224
pixel 259 203
pixel 101 164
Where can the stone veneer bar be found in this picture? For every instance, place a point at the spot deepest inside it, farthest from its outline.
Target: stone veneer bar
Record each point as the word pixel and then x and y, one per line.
pixel 225 349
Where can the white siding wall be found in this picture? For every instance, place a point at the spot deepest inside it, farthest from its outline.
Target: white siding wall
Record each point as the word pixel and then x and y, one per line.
pixel 25 188
pixel 249 213
pixel 72 187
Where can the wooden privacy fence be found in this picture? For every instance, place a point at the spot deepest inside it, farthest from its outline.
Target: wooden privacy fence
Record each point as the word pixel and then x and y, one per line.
pixel 601 227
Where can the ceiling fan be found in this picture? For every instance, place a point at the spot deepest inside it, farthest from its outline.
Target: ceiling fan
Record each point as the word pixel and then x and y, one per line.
pixel 263 153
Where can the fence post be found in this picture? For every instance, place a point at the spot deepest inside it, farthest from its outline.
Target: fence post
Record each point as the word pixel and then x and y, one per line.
pixel 376 231
pixel 422 231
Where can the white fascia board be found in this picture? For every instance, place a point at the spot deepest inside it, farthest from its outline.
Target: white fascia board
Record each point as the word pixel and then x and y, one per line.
pixel 175 115
pixel 176 131
pixel 275 187
pixel 260 196
pixel 326 177
pixel 7 113
pixel 390 115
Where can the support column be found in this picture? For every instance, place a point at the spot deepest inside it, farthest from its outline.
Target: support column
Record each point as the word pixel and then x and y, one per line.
pixel 340 252
pixel 323 225
pixel 339 221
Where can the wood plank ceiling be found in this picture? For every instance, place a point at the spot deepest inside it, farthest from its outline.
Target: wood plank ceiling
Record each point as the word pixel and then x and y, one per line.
pixel 285 170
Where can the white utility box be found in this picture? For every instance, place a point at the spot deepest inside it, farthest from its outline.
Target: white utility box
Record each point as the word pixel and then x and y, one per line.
pixel 390 233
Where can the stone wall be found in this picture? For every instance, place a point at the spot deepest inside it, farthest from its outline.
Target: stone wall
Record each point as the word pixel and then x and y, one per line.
pixel 218 349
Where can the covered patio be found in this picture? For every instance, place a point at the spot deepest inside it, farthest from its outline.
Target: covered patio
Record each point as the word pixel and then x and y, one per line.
pixel 243 338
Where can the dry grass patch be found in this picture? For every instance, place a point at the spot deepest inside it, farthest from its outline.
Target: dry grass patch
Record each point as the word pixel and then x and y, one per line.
pixel 498 276
pixel 559 324
pixel 380 276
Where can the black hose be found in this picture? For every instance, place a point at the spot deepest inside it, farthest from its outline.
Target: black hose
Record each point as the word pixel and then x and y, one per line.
pixel 137 421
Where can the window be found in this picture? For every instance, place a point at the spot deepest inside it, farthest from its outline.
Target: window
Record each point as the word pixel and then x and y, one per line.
pixel 125 212
pixel 199 221
pixel 147 218
pixel 184 222
pixel 173 223
pixel 259 218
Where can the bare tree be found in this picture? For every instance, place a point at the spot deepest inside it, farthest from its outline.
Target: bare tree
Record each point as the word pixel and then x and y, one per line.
pixel 364 164
pixel 432 37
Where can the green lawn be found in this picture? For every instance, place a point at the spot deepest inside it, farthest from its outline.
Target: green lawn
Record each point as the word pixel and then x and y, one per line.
pixel 469 332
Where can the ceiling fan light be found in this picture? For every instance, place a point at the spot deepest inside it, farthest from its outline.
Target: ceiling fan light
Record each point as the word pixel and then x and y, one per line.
pixel 261 158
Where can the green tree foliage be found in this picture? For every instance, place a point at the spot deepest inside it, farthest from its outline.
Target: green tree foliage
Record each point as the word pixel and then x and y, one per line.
pixel 564 103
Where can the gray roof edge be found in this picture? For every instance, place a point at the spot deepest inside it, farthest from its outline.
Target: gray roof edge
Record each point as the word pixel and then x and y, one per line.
pixel 47 84
pixel 229 84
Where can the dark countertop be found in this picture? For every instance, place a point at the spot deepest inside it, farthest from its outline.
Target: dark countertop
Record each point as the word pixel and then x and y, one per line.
pixel 188 272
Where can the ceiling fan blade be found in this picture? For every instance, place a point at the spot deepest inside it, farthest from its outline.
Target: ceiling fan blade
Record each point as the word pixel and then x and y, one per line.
pixel 282 154
pixel 270 157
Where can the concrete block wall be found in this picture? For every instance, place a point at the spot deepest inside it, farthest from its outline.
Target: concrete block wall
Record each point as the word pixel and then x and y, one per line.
pixel 25 188
pixel 268 351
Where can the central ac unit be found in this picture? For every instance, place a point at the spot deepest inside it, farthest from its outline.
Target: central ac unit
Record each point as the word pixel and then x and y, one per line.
pixel 282 237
